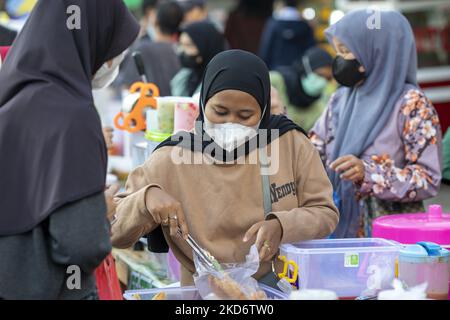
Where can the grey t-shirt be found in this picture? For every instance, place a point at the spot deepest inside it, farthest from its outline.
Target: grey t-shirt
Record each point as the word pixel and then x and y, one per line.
pixel 34 265
pixel 161 63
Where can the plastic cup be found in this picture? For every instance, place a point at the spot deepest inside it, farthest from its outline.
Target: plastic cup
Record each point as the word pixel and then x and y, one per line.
pixel 165 114
pixel 154 140
pixel 185 115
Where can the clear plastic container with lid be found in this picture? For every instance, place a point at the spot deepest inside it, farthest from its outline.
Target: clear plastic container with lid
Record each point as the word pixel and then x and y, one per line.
pixel 426 262
pixel 433 226
pixel 348 267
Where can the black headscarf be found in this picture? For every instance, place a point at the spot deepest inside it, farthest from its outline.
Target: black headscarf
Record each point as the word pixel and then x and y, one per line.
pixel 51 143
pixel 293 75
pixel 235 70
pixel 209 42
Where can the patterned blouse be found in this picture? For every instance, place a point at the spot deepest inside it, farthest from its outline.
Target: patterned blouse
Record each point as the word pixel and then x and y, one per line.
pixel 404 162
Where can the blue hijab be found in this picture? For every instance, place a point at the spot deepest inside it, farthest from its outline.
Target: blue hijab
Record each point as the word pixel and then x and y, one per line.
pixel 383 42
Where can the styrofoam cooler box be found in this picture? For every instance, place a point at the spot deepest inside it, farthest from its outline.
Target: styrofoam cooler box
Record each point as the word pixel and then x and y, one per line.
pixel 346 266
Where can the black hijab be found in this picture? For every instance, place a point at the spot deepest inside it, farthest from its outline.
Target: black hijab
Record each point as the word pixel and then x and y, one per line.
pixel 51 143
pixel 293 75
pixel 235 70
pixel 209 42
pixel 229 70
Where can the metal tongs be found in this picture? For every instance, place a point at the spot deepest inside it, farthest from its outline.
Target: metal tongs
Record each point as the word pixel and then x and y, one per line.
pixel 204 255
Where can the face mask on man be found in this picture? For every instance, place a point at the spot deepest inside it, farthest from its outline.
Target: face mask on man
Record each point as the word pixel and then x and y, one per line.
pixel 107 74
pixel 312 83
pixel 346 72
pixel 230 136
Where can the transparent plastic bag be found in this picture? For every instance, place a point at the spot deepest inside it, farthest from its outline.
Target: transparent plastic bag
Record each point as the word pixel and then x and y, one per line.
pixel 400 292
pixel 233 282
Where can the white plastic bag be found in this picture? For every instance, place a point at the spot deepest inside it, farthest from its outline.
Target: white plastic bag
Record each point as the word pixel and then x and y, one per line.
pixel 400 293
pixel 235 282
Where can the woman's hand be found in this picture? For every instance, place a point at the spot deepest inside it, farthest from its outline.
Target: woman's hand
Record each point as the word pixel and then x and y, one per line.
pixel 350 167
pixel 109 198
pixel 108 133
pixel 268 238
pixel 166 211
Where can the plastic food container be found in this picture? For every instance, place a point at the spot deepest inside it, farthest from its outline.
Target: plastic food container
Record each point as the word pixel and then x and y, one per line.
pixel 185 115
pixel 152 120
pixel 166 112
pixel 154 139
pixel 190 293
pixel 433 226
pixel 139 154
pixel 348 267
pixel 426 262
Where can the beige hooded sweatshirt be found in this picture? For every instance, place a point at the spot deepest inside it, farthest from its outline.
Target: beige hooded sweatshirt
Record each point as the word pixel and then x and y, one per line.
pixel 222 201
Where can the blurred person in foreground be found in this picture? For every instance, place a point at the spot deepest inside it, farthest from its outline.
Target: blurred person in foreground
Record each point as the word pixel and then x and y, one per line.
pixel 380 137
pixel 54 219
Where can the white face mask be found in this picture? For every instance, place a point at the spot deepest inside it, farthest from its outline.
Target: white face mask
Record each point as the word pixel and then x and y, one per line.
pixel 230 135
pixel 106 74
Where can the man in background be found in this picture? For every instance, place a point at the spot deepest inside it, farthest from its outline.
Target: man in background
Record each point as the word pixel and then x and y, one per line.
pixel 194 10
pixel 159 56
pixel 149 8
pixel 286 36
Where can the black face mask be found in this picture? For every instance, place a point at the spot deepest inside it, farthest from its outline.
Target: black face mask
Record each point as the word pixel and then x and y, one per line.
pixel 346 72
pixel 188 61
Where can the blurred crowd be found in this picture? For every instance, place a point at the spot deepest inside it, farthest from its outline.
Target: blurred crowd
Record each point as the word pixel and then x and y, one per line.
pixel 178 39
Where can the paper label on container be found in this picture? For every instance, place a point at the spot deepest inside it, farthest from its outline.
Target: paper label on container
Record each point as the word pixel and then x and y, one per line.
pixel 351 260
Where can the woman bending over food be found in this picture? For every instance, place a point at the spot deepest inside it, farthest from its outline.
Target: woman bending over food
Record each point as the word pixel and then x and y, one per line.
pixel 211 185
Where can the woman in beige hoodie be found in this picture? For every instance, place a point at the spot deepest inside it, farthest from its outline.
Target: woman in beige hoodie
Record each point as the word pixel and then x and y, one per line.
pixel 245 177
